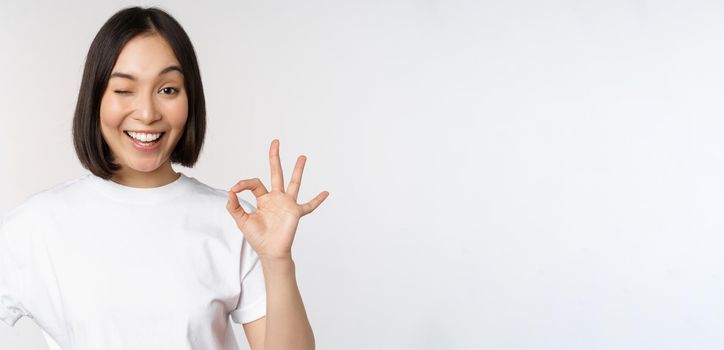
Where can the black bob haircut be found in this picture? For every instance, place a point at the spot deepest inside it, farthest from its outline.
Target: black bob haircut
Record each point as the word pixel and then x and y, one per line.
pixel 90 147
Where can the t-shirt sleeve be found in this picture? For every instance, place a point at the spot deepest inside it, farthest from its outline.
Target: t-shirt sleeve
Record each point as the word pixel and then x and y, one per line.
pixel 252 302
pixel 11 288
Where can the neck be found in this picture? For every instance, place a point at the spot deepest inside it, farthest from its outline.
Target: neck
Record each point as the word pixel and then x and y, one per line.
pixel 163 175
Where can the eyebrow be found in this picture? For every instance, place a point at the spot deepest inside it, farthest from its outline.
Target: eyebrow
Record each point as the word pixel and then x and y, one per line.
pixel 164 71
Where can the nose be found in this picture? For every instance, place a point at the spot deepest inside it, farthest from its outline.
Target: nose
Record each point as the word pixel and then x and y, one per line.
pixel 146 108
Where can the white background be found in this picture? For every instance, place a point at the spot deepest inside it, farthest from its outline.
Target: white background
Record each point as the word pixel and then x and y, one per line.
pixel 502 175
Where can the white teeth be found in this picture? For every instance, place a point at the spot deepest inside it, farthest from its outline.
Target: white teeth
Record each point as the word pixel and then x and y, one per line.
pixel 143 137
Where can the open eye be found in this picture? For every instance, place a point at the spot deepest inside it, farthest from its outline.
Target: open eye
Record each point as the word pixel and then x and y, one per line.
pixel 174 90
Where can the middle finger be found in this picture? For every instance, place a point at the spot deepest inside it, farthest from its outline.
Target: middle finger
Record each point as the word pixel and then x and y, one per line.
pixel 277 178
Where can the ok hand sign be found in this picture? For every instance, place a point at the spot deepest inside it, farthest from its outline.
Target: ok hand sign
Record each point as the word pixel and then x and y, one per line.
pixel 271 228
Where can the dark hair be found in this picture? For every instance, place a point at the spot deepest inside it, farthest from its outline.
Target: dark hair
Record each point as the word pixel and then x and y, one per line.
pixel 90 147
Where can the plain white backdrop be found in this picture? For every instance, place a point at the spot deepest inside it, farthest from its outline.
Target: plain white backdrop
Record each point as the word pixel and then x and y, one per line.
pixel 502 175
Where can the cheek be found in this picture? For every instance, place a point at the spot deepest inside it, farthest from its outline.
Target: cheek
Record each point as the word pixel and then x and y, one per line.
pixel 177 113
pixel 111 112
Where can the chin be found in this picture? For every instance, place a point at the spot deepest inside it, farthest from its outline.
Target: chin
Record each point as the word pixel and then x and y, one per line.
pixel 144 168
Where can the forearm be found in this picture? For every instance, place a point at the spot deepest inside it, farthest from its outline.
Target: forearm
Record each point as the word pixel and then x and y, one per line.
pixel 287 326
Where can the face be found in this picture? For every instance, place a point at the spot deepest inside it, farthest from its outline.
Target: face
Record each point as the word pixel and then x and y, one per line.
pixel 145 97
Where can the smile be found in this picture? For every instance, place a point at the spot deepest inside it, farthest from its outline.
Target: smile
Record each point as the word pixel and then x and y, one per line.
pixel 144 137
pixel 144 141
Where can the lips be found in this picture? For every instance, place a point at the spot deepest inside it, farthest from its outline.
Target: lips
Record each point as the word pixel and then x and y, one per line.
pixel 145 146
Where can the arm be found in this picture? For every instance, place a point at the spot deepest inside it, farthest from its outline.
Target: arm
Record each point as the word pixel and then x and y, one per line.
pixel 286 325
pixel 270 230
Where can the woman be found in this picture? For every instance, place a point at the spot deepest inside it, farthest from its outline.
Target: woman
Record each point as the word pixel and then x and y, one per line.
pixel 134 255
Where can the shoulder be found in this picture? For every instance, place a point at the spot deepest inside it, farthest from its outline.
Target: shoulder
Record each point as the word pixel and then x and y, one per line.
pixel 217 195
pixel 30 209
pixel 27 221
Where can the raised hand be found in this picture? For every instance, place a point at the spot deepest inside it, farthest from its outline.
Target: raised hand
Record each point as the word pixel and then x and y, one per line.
pixel 271 228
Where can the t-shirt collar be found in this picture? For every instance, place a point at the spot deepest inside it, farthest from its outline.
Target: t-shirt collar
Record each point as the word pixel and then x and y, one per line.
pixel 140 195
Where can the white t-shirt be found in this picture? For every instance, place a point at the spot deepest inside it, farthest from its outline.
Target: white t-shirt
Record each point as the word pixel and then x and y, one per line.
pixel 99 265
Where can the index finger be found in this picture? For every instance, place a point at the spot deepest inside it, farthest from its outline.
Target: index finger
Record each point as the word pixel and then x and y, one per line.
pixel 255 185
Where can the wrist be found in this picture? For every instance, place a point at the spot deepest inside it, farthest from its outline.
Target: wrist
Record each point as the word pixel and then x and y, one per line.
pixel 277 263
pixel 275 258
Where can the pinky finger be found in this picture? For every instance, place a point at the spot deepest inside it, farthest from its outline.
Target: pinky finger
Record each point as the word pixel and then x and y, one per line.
pixel 314 203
